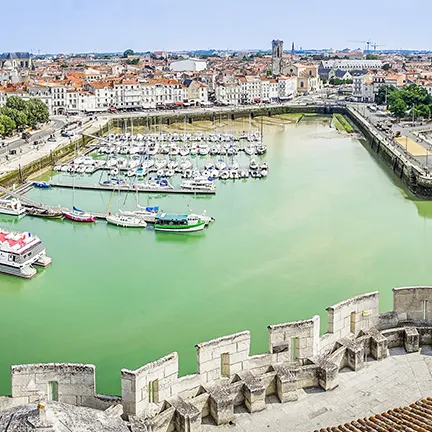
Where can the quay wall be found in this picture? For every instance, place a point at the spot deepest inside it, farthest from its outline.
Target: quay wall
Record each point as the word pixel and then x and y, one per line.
pixel 405 167
pixel 225 114
pixel 228 375
pixel 22 173
pixel 401 163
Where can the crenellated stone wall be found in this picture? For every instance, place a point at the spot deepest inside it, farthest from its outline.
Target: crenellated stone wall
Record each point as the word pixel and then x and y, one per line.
pixel 70 383
pixel 156 398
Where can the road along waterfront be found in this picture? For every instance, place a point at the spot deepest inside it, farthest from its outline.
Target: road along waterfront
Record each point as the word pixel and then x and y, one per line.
pixel 327 224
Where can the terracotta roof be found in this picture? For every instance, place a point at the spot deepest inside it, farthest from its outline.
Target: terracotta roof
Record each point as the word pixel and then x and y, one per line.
pixel 415 417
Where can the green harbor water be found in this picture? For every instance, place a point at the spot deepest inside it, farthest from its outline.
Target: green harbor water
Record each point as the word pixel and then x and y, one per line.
pixel 328 223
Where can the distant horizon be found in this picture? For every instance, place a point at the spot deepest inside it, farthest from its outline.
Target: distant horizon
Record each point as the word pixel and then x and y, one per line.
pixel 240 50
pixel 102 26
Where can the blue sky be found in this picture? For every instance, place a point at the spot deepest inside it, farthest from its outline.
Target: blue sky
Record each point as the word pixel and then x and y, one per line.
pixel 107 25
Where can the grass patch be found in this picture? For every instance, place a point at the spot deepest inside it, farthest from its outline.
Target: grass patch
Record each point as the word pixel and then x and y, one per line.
pixel 342 124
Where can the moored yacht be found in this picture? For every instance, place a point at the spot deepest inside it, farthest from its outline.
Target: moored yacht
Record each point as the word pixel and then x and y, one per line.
pixel 11 207
pixel 126 221
pixel 148 214
pixel 19 251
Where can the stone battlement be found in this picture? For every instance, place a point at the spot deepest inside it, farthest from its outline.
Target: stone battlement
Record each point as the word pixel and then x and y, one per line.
pixel 228 376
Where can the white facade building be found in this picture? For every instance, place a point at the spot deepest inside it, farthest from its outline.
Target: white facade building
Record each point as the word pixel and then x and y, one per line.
pixel 352 64
pixel 188 65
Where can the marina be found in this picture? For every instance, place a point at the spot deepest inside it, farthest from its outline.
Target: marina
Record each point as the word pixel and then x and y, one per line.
pixel 326 224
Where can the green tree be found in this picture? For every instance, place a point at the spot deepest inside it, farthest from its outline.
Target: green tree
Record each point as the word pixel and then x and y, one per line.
pixel 398 107
pixel 134 61
pixel 8 124
pixel 2 129
pixel 386 66
pixel 383 94
pixel 422 111
pixel 36 111
pixel 19 117
pixel 371 57
pixel 15 102
pixel 127 53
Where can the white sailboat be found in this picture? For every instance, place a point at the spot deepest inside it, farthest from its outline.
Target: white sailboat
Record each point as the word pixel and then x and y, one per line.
pixel 126 221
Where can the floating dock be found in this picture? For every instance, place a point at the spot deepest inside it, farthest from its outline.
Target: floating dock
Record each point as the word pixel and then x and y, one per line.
pixel 126 188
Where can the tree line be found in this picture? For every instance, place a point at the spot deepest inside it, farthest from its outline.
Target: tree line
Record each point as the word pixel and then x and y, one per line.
pixel 414 99
pixel 19 114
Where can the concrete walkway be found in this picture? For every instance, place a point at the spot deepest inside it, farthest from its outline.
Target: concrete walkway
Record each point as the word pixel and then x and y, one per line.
pixel 31 153
pixel 396 381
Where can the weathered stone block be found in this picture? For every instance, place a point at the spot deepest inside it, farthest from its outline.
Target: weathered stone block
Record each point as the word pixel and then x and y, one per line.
pixel 286 384
pixel 254 393
pixel 411 340
pixel 221 402
pixel 378 344
pixel 328 376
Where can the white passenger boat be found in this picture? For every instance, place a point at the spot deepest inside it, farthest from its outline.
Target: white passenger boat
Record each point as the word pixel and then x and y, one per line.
pixel 126 221
pixel 19 251
pixel 199 183
pixel 11 207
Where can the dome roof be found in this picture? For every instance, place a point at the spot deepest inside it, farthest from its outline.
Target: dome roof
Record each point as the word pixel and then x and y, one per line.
pixel 60 417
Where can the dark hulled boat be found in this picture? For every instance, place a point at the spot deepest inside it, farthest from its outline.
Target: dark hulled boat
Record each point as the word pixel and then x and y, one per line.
pixel 49 214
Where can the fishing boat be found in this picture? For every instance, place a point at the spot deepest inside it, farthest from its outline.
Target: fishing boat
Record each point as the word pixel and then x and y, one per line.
pixel 19 251
pixel 126 221
pixel 11 207
pixel 78 215
pixel 49 214
pixel 41 185
pixel 181 223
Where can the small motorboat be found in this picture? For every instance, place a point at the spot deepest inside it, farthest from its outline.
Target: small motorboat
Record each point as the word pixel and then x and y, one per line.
pixel 49 214
pixel 253 165
pixel 224 175
pixel 41 185
pixel 78 215
pixel 126 221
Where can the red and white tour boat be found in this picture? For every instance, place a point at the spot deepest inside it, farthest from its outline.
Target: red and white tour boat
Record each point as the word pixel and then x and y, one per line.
pixel 19 251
